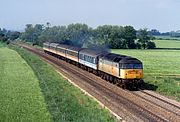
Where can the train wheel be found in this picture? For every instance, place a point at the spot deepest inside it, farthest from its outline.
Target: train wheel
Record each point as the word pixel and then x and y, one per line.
pixel 124 86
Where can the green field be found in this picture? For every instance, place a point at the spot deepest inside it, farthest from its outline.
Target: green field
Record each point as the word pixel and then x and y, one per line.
pixel 64 101
pixel 167 37
pixel 21 99
pixel 167 43
pixel 161 68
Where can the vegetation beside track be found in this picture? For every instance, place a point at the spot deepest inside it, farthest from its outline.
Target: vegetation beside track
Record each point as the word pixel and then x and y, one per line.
pixel 21 99
pixel 64 101
pixel 161 69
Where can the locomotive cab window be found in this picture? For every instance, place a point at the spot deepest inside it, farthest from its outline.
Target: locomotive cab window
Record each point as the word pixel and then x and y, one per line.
pixel 131 66
pixel 137 66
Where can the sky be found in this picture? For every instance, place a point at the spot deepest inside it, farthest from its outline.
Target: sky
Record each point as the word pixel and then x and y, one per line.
pixel 163 15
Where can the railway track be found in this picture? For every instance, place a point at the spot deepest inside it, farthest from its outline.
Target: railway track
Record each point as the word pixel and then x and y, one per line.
pixel 159 101
pixel 130 106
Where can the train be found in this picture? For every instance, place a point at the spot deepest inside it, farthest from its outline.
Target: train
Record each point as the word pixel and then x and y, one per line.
pixel 124 71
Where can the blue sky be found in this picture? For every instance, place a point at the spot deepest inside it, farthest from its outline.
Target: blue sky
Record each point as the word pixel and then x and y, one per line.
pixel 161 14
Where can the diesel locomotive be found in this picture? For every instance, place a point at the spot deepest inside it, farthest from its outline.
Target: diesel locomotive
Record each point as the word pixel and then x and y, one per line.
pixel 125 71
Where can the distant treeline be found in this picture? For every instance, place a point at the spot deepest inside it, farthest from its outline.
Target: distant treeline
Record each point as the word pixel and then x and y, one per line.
pixel 155 32
pixel 7 35
pixel 84 36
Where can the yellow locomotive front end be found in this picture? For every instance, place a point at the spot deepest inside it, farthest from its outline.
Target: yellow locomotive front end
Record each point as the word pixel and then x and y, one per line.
pixel 131 71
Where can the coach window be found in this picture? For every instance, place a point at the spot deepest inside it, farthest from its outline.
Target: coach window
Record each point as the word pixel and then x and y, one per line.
pixel 62 50
pixel 91 59
pixel 85 57
pixel 88 58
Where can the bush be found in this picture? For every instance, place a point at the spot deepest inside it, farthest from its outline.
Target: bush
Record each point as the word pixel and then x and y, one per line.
pixel 138 45
pixel 151 45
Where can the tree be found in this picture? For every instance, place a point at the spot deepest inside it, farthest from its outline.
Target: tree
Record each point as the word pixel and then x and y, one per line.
pixel 82 35
pixel 32 34
pixel 113 36
pixel 28 35
pixel 154 32
pixel 143 37
pixel 103 33
pixel 37 30
pixel 117 37
pixel 48 24
pixel 12 35
pixel 151 45
pixel 78 33
pixel 3 37
pixel 130 36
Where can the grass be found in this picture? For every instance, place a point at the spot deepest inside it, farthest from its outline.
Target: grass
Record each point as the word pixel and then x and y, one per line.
pixel 161 69
pixel 64 101
pixel 21 99
pixel 2 44
pixel 167 43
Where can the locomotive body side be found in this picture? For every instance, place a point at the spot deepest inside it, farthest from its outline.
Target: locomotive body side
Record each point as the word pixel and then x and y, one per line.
pixel 109 67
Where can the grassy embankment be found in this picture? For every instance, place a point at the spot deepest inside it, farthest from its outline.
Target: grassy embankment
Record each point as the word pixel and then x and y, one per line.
pixel 21 99
pixel 161 67
pixel 63 100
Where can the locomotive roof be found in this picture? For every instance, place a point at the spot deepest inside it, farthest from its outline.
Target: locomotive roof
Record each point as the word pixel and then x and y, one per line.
pixel 93 52
pixel 130 60
pixel 112 57
pixel 120 58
